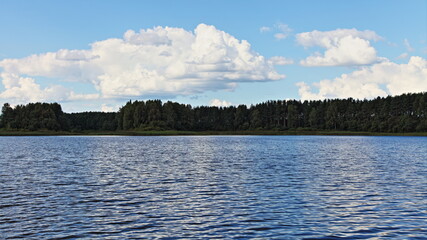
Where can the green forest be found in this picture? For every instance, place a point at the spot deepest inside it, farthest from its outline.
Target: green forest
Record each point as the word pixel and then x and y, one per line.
pixel 397 114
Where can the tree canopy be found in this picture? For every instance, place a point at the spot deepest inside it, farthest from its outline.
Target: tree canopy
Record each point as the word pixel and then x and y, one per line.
pixel 404 113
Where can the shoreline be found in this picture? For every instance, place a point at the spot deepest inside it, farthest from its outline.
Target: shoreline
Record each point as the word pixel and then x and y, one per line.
pixel 205 133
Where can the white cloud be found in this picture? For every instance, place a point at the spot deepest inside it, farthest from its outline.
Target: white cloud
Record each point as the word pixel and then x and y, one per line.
pixel 74 55
pixel 107 108
pixel 279 60
pixel 280 36
pixel 408 45
pixel 284 28
pixel 219 103
pixel 76 97
pixel 381 79
pixel 344 47
pixel 157 37
pixel 162 61
pixel 264 29
pixel 403 56
pixel 284 31
pixel 330 38
pixel 24 89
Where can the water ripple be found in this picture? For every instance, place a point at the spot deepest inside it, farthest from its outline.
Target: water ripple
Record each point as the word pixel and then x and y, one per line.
pixel 263 187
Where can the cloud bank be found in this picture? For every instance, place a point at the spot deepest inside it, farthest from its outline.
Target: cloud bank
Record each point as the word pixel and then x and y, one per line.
pixel 381 79
pixel 25 89
pixel 344 47
pixel 162 61
pixel 219 103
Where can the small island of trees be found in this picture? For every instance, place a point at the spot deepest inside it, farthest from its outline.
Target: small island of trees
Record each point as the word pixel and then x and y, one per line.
pixel 397 114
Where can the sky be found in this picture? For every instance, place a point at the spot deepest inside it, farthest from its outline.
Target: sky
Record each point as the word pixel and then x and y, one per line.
pixel 96 55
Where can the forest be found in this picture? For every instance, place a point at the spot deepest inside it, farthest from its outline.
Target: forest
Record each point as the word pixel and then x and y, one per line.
pixel 392 114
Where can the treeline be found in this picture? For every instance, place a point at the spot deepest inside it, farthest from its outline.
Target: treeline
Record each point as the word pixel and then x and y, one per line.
pixel 49 116
pixel 404 113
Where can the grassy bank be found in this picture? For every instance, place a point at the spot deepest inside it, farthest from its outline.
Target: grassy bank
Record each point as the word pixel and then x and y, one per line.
pixel 201 133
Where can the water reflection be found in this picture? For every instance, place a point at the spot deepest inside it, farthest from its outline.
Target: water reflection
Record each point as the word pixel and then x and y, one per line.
pixel 213 187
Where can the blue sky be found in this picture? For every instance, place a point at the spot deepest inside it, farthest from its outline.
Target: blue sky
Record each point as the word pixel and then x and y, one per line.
pixel 209 52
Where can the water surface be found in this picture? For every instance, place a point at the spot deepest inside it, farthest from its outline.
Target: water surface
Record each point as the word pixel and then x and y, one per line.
pixel 207 187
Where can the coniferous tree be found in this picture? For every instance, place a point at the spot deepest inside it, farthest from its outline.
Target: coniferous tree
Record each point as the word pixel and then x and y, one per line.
pixel 404 113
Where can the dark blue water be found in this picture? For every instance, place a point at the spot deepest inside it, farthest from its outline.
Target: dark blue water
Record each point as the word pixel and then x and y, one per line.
pixel 265 187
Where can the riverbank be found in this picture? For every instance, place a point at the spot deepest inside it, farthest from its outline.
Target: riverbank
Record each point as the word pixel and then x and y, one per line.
pixel 201 133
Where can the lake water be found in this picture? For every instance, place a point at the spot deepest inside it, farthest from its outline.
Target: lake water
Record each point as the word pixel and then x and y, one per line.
pixel 207 187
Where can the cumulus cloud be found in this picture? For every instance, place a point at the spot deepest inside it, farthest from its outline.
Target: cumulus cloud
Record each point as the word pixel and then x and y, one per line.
pixel 381 79
pixel 74 55
pixel 219 103
pixel 157 36
pixel 25 89
pixel 107 108
pixel 344 47
pixel 278 60
pixel 162 61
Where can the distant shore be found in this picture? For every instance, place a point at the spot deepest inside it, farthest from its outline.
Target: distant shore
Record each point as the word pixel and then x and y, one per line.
pixel 202 133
